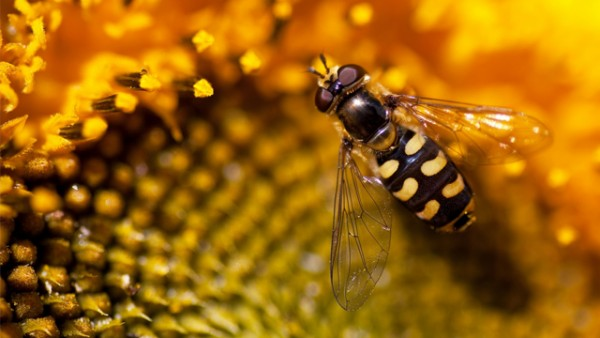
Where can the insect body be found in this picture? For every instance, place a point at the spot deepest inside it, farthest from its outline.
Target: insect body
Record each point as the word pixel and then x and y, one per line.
pixel 419 174
pixel 412 143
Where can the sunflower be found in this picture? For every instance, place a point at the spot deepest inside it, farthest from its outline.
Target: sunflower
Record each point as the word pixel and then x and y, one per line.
pixel 165 173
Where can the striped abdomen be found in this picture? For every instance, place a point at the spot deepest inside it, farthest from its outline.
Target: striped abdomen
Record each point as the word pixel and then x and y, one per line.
pixel 418 173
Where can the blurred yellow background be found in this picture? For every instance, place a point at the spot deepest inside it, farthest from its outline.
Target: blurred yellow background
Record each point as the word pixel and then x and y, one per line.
pixel 165 172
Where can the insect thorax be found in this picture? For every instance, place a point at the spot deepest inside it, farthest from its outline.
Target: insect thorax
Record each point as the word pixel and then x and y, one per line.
pixel 367 120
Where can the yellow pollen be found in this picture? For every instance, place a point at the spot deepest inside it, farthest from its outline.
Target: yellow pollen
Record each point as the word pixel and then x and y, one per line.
pixel 10 99
pixel 149 82
pixel 361 14
pixel 514 169
pixel 93 127
pixel 203 88
pixel 24 7
pixel 44 200
pixel 282 9
pixel 566 235
pixel 126 102
pixel 202 40
pixel 130 23
pixel 408 190
pixel 11 127
pixel 434 166
pixel 387 169
pixel 431 208
pixel 6 184
pixel 29 71
pixel 558 177
pixel 37 27
pixel 250 62
pixel 414 144
pixel 395 78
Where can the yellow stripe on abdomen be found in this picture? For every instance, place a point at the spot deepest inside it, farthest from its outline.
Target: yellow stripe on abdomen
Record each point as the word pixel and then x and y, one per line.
pixel 388 168
pixel 454 188
pixel 408 190
pixel 430 210
pixel 432 167
pixel 414 144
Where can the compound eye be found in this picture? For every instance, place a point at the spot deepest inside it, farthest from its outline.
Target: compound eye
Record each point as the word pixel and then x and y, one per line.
pixel 323 99
pixel 349 74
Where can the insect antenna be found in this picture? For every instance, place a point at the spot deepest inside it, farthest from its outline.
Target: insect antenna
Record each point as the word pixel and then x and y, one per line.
pixel 324 61
pixel 316 72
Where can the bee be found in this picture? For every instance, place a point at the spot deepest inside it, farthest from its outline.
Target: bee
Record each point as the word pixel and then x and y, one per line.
pixel 411 144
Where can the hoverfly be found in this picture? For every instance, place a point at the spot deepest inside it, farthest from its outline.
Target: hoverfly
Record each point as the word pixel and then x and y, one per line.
pixel 412 144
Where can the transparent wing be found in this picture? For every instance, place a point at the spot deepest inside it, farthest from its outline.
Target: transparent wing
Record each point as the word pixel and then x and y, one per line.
pixel 361 233
pixel 474 134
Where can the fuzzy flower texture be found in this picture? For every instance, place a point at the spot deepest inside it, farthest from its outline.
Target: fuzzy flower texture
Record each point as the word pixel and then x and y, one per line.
pixel 164 172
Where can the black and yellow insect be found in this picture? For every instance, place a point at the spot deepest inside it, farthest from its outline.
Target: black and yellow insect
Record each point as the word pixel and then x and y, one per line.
pixel 412 143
